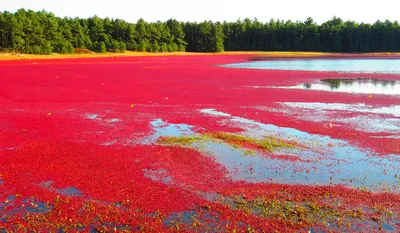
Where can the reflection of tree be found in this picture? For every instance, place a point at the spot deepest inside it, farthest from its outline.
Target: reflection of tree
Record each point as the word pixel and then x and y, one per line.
pixel 336 83
pixel 333 83
pixel 307 85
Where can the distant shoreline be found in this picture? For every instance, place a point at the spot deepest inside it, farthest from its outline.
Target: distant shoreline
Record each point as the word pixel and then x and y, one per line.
pixel 259 55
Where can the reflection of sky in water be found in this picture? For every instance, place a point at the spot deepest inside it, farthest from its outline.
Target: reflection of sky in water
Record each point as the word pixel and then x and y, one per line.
pixel 319 163
pixel 372 123
pixel 186 218
pixel 92 116
pixel 336 65
pixel 361 108
pixel 29 205
pixel 368 118
pixel 163 128
pixel 158 175
pixel 69 191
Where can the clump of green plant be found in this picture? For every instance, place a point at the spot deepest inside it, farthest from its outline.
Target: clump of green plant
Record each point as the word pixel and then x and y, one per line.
pixel 231 137
pixel 304 213
pixel 182 140
pixel 308 212
pixel 249 153
pixel 269 144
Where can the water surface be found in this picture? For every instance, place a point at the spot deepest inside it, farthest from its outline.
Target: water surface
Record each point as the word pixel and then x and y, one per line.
pixel 325 161
pixel 358 86
pixel 337 65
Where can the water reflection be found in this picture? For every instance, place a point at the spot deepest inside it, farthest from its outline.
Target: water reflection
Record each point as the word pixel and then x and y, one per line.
pixel 324 160
pixel 360 85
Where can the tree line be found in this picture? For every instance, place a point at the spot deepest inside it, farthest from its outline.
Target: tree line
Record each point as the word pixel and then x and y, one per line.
pixel 42 32
pixel 334 35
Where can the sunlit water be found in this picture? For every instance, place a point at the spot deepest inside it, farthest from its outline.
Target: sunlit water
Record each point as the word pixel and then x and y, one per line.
pixel 361 117
pixel 356 86
pixel 337 65
pixel 322 164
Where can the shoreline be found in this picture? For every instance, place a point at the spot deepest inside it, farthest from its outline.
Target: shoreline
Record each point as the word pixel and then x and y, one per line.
pixel 259 55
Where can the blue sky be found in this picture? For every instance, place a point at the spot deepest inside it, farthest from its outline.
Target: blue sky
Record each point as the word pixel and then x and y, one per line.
pixel 217 10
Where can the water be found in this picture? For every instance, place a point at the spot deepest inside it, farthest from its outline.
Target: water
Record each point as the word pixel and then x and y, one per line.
pixel 356 86
pixel 336 65
pixel 92 116
pixel 158 175
pixel 69 191
pixel 393 110
pixel 360 85
pixel 320 163
pixel 113 120
pixel 29 205
pixel 163 129
pixel 340 163
pixel 33 205
pixel 208 222
pixel 364 118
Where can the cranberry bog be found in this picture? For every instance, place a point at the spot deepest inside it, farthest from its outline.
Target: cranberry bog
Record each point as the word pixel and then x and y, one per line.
pixel 184 144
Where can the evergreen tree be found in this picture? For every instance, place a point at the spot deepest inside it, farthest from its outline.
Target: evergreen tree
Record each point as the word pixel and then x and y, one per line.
pixel 42 32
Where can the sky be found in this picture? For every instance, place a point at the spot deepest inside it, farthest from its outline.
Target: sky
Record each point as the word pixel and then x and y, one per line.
pixel 367 11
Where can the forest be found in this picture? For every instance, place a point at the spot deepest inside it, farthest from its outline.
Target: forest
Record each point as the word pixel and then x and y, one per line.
pixel 27 31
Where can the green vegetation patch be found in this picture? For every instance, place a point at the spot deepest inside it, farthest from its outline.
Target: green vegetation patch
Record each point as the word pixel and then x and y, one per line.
pixel 302 213
pixel 308 212
pixel 182 141
pixel 267 144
